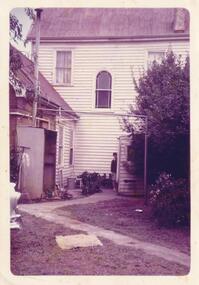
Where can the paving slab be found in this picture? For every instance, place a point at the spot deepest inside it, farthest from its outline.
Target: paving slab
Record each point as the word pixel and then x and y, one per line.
pixel 79 240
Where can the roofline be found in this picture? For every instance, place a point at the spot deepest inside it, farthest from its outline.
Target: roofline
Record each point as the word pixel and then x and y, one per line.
pixel 63 111
pixel 56 107
pixel 48 101
pixel 184 36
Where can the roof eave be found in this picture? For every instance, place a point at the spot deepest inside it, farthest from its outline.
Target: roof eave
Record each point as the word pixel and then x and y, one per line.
pixel 48 101
pixel 56 107
pixel 180 36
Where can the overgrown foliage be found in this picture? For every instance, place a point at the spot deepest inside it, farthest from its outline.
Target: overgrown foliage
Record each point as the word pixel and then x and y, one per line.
pixel 15 64
pixel 30 13
pixel 15 28
pixel 163 96
pixel 16 34
pixel 170 201
pixel 91 183
pixel 14 166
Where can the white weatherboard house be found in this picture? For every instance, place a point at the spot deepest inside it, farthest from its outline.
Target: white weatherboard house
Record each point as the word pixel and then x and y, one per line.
pixel 89 54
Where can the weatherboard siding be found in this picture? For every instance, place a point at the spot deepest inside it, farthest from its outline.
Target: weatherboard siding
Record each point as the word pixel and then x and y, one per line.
pixel 65 167
pixel 96 140
pixel 97 133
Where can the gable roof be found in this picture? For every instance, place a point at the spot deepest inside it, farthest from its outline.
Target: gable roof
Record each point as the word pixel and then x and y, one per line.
pixel 26 75
pixel 108 23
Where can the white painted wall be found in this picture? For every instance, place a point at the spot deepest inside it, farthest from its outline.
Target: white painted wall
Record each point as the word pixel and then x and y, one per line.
pixel 96 134
pixel 65 167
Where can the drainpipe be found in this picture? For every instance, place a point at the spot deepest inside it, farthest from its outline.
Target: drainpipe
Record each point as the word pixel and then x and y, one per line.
pixel 36 69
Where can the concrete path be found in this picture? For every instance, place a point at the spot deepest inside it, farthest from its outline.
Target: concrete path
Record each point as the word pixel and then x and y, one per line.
pixel 46 211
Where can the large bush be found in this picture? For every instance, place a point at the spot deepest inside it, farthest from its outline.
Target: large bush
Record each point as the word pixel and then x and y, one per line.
pixel 163 96
pixel 170 201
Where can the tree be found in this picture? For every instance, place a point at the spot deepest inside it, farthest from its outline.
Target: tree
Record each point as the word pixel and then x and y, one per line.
pixel 16 34
pixel 15 64
pixel 16 28
pixel 163 96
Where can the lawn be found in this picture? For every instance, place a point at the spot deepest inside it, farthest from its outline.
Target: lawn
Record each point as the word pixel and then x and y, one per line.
pixel 34 250
pixel 120 215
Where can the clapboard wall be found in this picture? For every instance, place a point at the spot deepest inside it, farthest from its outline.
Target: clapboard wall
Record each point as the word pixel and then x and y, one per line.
pixel 97 131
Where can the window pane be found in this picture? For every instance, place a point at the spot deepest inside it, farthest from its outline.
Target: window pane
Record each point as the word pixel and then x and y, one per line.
pixel 63 67
pixel 66 76
pixel 63 75
pixel 63 59
pixel 59 76
pixel 103 90
pixel 71 156
pixel 103 80
pixel 68 59
pixel 155 56
pixel 60 59
pixel 103 99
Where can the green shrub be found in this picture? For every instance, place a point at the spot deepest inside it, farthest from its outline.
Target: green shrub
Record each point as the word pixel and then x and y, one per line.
pixel 90 183
pixel 170 201
pixel 164 97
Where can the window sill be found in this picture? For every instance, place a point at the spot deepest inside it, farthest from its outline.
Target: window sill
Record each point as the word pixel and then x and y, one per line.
pixel 59 166
pixel 63 85
pixel 103 110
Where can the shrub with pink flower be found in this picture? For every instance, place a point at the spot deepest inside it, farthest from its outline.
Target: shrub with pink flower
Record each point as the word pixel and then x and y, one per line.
pixel 170 201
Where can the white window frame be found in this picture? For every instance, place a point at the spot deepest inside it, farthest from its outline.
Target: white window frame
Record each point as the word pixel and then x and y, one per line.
pixel 54 66
pixel 103 110
pixel 60 163
pixel 152 51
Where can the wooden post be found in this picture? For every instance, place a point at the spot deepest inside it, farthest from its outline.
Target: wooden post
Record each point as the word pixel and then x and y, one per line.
pixel 36 69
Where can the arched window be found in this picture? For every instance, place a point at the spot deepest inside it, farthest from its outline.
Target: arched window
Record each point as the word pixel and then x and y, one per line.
pixel 103 90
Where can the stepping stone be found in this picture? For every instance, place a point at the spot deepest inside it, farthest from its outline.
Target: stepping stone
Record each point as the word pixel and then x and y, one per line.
pixel 80 240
